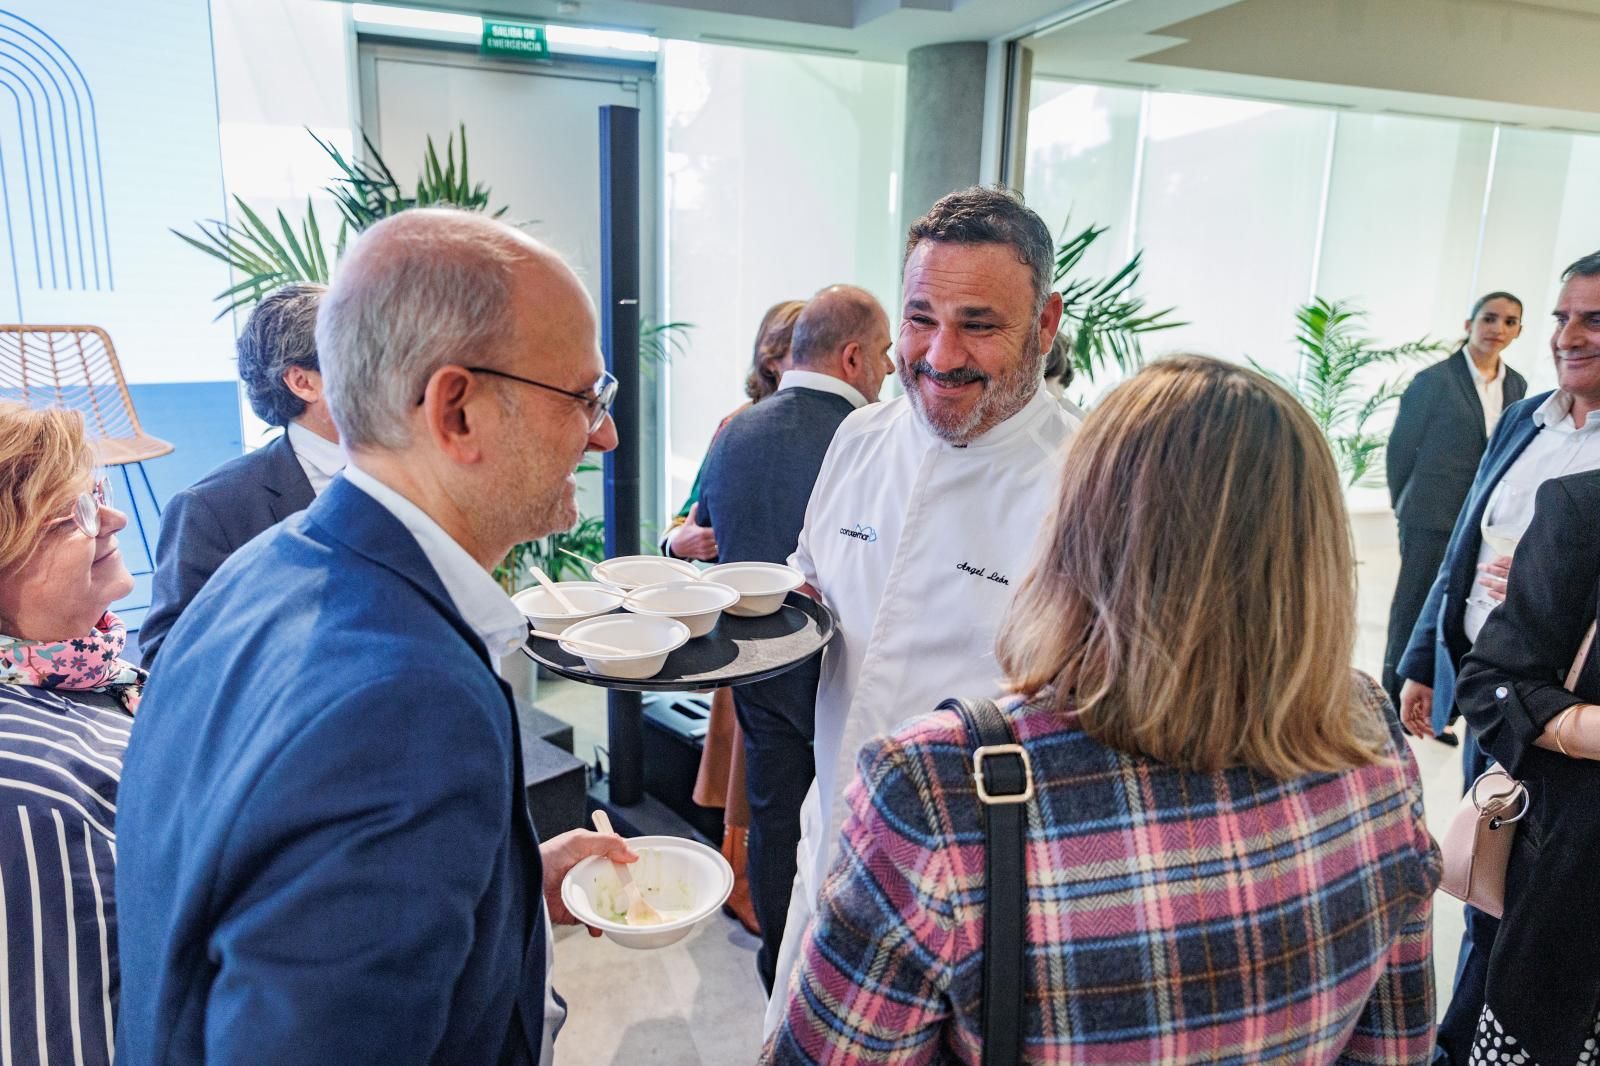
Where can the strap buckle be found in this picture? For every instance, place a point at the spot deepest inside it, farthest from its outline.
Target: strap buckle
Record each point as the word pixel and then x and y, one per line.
pixel 990 798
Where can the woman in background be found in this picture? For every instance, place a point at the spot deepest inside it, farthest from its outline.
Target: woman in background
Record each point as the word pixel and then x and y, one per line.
pixel 1447 414
pixel 1226 859
pixel 67 698
pixel 720 782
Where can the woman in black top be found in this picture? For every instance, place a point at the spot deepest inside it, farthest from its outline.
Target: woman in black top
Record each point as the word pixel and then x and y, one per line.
pixel 1544 975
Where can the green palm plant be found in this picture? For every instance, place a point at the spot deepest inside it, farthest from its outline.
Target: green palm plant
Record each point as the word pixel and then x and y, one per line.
pixel 1102 318
pixel 1334 382
pixel 265 257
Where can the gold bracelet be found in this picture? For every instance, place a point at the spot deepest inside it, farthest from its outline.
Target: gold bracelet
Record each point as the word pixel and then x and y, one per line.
pixel 1561 727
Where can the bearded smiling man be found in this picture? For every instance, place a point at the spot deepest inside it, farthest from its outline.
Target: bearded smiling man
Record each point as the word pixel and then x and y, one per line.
pixel 927 506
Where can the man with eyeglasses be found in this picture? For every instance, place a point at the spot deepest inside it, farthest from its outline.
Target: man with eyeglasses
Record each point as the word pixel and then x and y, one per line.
pixel 325 853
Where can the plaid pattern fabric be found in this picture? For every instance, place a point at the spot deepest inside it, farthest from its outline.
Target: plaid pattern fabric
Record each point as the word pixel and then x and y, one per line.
pixel 1173 917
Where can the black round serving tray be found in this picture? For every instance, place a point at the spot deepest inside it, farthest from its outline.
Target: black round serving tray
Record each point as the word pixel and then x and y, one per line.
pixel 736 652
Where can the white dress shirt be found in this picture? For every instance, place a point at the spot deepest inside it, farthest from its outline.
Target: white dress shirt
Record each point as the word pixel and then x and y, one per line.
pixel 319 457
pixel 1491 393
pixel 1559 447
pixel 486 608
pixel 810 379
pixel 916 545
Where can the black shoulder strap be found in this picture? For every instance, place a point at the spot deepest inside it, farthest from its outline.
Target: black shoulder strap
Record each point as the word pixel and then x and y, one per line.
pixel 1004 779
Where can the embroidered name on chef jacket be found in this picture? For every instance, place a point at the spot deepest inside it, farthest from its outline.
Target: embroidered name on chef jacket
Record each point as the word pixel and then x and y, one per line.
pixel 983 572
pixel 860 532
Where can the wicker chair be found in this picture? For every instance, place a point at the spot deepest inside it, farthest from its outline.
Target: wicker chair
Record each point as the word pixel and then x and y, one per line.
pixel 76 367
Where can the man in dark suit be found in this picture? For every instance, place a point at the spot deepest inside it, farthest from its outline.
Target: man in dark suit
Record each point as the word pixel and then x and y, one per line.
pixel 753 493
pixel 213 518
pixel 1544 436
pixel 325 853
pixel 1446 416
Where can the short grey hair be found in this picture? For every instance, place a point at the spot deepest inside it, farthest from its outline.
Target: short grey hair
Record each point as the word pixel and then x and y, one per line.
pixel 991 215
pixel 420 290
pixel 279 334
pixel 832 319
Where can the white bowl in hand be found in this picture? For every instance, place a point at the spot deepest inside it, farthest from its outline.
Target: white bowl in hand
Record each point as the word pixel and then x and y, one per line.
pixel 643 644
pixel 682 879
pixel 628 572
pixel 761 586
pixel 591 599
pixel 697 604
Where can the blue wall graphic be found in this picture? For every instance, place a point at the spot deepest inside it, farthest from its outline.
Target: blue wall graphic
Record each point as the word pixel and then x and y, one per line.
pixel 52 178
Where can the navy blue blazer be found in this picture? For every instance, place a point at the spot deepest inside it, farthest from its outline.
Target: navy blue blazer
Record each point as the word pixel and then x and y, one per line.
pixel 1439 640
pixel 325 854
pixel 209 521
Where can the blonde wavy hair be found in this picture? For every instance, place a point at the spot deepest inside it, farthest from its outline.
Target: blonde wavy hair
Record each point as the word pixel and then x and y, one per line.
pixel 43 456
pixel 1195 596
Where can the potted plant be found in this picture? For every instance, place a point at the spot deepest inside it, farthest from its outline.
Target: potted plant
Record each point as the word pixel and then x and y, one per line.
pixel 1337 361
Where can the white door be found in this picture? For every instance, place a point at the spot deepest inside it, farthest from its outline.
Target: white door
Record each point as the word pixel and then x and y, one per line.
pixel 533 138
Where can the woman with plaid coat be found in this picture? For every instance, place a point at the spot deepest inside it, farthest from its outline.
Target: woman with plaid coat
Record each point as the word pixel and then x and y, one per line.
pixel 1226 860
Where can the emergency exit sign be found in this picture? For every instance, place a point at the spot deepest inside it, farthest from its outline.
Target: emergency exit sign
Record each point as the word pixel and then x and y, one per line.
pixel 513 40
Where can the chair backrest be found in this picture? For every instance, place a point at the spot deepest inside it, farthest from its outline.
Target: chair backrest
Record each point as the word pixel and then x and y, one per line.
pixel 68 366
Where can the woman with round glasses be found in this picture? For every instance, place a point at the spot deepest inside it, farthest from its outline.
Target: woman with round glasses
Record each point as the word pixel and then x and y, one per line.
pixel 66 703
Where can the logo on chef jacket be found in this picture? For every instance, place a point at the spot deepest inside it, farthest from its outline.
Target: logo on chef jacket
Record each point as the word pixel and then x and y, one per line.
pixel 983 572
pixel 859 532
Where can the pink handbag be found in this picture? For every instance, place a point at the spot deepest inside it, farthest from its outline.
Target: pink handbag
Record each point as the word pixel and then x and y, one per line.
pixel 1477 846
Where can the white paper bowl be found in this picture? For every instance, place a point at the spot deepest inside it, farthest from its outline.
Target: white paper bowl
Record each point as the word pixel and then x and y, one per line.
pixel 590 597
pixel 628 572
pixel 648 642
pixel 683 877
pixel 697 604
pixel 761 586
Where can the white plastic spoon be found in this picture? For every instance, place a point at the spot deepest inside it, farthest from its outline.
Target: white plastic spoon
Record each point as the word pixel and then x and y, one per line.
pixel 550 587
pixel 639 911
pixel 595 644
pixel 588 563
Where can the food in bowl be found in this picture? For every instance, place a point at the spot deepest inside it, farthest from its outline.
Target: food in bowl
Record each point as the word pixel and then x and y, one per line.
pixel 682 879
pixel 591 599
pixel 645 642
pixel 628 572
pixel 761 586
pixel 697 604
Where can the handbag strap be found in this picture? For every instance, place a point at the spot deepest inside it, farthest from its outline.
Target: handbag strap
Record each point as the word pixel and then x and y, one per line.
pixel 1577 661
pixel 1003 775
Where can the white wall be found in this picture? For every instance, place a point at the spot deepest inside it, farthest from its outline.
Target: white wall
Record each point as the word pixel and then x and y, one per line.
pixel 1244 207
pixel 117 143
pixel 781 171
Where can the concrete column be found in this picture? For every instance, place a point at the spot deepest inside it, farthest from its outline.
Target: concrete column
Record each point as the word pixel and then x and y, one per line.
pixel 944 123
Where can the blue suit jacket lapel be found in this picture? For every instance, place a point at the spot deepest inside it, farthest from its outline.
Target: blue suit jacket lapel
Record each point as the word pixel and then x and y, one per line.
pixel 348 515
pixel 288 489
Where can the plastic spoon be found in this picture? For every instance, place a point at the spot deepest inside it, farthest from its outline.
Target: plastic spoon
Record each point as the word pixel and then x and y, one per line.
pixel 550 587
pixel 595 644
pixel 587 562
pixel 639 912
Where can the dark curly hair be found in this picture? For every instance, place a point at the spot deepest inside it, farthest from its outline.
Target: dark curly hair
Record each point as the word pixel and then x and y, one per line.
pixel 280 333
pixel 990 215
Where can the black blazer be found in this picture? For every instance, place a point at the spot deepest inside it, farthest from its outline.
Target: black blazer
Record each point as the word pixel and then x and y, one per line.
pixel 1437 440
pixel 1544 973
pixel 210 520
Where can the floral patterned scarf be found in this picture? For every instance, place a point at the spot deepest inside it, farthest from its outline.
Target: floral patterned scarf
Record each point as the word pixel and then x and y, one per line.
pixel 91 663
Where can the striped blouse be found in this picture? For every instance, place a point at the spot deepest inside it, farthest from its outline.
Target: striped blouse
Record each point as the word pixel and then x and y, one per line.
pixel 1173 917
pixel 60 760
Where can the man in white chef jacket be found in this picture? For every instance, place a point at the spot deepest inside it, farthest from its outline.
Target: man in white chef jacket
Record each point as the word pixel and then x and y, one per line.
pixel 925 513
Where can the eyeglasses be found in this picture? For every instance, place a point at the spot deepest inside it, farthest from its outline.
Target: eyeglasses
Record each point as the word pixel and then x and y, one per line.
pixel 85 512
pixel 601 395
